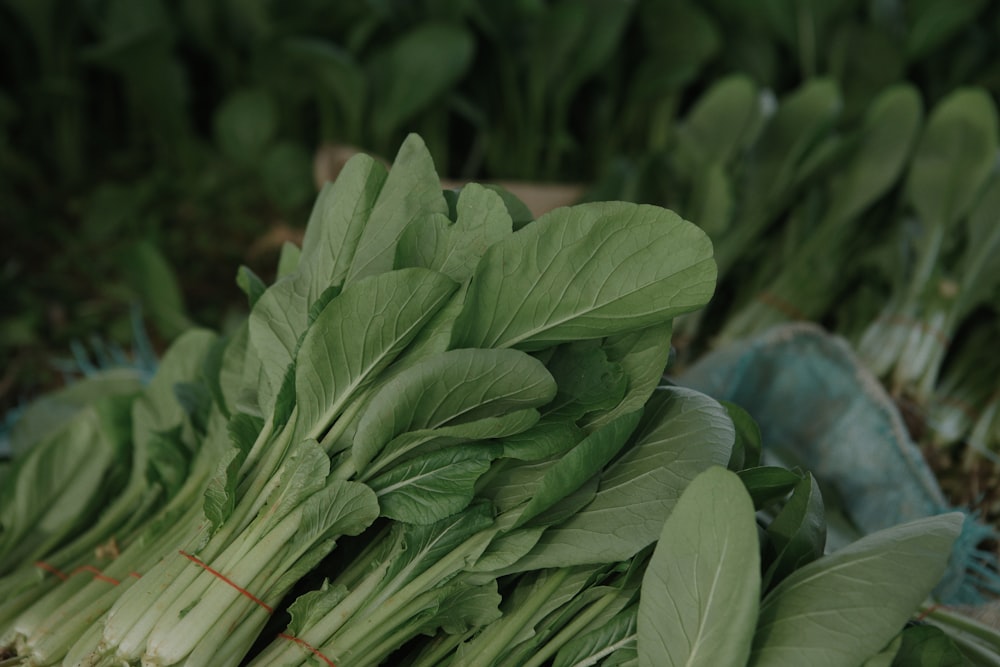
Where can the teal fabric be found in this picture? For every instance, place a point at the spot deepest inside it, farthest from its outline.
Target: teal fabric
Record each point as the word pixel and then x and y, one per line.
pixel 819 408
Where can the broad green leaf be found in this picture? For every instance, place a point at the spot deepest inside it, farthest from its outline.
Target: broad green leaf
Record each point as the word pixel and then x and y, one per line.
pixel 616 635
pixel 586 271
pixel 747 449
pixel 802 118
pixel 586 378
pixel 413 71
pixel 578 465
pixel 843 608
pixel 51 411
pixel 433 486
pixel 425 441
pixel 310 607
pixel 339 508
pixel 956 152
pixel 417 547
pixel 411 191
pixel 302 473
pixel 722 122
pixel 927 646
pixel 887 137
pixel 682 433
pixel 798 533
pixel 337 221
pixel 455 249
pixel 450 388
pixel 933 23
pixel 460 608
pixel 288 259
pixel 506 550
pixel 713 200
pixel 767 484
pixel 220 494
pixel 643 355
pixel 702 586
pixel 251 284
pixel 157 287
pixel 545 440
pixel 351 226
pixel 57 485
pixel 357 335
pixel 157 408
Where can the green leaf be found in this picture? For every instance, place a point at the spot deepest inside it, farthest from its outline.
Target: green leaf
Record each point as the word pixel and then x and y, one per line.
pixel 155 282
pixel 578 465
pixel 450 388
pixel 220 494
pixel 302 474
pixel 643 356
pixel 586 271
pixel 747 449
pixel 338 219
pixel 928 646
pixel 956 152
pixel 802 118
pixel 682 433
pixel 339 508
pixel 424 441
pixel 798 533
pixel 701 590
pixel 251 284
pixel 768 484
pixel 412 72
pixel 545 440
pixel 455 249
pixel 934 22
pixel 288 259
pixel 245 123
pixel 357 335
pixel 616 635
pixel 844 607
pixel 57 485
pixel 309 608
pixel 336 225
pixel 723 121
pixel 411 191
pixel 586 378
pixel 434 486
pixel 887 137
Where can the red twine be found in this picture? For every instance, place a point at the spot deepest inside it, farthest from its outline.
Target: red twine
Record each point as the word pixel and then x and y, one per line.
pixel 312 649
pixel 210 570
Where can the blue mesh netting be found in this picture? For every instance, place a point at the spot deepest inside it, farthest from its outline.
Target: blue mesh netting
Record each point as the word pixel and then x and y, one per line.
pixel 818 407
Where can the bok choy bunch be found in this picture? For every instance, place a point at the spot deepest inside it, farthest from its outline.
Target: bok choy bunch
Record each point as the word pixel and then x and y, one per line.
pixel 381 376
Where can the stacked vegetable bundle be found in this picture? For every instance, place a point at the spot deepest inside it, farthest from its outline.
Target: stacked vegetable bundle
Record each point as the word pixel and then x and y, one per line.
pixel 881 228
pixel 474 396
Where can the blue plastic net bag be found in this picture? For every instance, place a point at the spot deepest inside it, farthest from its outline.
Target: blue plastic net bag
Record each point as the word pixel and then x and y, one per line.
pixel 819 408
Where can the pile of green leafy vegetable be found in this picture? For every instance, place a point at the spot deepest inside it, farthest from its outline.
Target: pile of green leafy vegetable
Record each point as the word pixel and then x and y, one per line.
pixel 451 415
pixel 136 132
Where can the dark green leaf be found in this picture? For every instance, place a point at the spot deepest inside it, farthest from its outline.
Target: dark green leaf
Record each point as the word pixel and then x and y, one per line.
pixel 702 586
pixel 844 607
pixel 928 646
pixel 768 484
pixel 433 486
pixel 586 271
pixel 682 433
pixel 798 534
